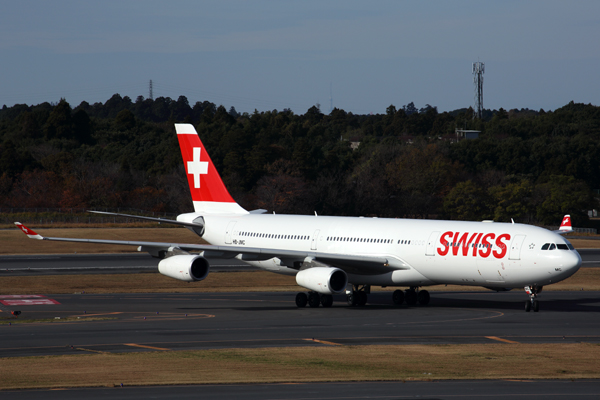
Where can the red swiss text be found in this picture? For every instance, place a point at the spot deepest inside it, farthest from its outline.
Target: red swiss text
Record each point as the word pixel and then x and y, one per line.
pixel 473 244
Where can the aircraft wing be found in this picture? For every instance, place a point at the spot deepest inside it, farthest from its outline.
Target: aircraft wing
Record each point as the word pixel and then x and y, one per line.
pixel 357 264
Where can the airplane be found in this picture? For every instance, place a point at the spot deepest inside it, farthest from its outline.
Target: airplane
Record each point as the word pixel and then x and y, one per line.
pixel 347 255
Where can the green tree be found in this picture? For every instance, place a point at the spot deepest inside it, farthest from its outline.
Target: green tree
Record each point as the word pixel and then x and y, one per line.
pixel 467 201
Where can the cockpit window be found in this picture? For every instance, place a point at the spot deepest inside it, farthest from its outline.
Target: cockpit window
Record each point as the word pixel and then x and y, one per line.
pixel 562 246
pixel 552 246
pixel 570 246
pixel 545 246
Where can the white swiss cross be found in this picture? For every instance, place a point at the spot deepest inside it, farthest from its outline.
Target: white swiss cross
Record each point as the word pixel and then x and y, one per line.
pixel 197 167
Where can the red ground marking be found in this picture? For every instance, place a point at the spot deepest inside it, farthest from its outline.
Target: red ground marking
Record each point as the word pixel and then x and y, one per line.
pixel 26 300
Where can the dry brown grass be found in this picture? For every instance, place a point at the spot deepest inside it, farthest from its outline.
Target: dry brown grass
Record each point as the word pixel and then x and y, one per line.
pixel 306 364
pixel 585 243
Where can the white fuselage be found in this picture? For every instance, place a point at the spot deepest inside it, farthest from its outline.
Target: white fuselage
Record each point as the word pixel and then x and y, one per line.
pixel 495 255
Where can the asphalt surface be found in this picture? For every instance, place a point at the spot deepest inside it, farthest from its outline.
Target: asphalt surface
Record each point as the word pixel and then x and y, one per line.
pixel 520 390
pixel 24 265
pixel 165 322
pixel 150 322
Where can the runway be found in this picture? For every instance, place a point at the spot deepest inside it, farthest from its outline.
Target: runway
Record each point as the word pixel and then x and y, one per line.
pixel 167 322
pixel 514 390
pixel 24 265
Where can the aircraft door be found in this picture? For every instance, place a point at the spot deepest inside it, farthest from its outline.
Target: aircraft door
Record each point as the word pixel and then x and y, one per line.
pixel 515 247
pixel 313 242
pixel 229 232
pixel 431 243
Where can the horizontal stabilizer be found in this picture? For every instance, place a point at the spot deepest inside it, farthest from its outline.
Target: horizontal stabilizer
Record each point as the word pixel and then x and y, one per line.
pixel 160 220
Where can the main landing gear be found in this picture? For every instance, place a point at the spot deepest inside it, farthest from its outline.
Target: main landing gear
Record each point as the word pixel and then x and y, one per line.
pixel 532 303
pixel 313 299
pixel 411 296
pixel 358 296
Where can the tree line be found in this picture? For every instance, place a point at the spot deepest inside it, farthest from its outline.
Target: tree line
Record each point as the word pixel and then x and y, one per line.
pixel 531 166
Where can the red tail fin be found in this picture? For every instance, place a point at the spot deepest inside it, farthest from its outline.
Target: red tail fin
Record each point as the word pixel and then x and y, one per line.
pixel 209 193
pixel 565 225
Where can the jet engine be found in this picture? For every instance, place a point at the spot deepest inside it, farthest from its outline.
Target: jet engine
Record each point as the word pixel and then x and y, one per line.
pixel 188 268
pixel 325 280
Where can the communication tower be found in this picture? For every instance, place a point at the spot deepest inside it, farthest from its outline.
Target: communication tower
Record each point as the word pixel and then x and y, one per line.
pixel 478 70
pixel 151 95
pixel 330 97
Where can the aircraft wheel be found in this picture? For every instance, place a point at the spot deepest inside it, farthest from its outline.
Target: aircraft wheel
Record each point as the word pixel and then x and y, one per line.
pixel 536 306
pixel 361 298
pixel 398 297
pixel 301 300
pixel 423 297
pixel 326 300
pixel 352 298
pixel 410 297
pixel 528 306
pixel 314 299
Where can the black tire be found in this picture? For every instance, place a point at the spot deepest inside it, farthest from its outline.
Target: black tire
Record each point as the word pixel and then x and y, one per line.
pixel 361 299
pixel 301 300
pixel 314 299
pixel 528 306
pixel 398 297
pixel 423 297
pixel 536 306
pixel 326 300
pixel 410 297
pixel 351 297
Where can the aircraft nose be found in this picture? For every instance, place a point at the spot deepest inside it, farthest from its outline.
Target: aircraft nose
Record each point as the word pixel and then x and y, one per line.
pixel 571 261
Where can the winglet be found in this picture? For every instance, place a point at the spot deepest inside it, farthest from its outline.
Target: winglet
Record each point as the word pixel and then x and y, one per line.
pixel 565 225
pixel 30 234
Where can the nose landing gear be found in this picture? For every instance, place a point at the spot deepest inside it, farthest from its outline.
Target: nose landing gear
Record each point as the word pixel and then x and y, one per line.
pixel 532 303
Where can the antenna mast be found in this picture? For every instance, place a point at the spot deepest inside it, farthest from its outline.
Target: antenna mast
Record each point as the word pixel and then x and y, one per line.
pixel 330 98
pixel 478 70
pixel 151 95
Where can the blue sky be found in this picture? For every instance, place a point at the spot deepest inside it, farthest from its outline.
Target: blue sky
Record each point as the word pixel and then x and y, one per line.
pixel 287 54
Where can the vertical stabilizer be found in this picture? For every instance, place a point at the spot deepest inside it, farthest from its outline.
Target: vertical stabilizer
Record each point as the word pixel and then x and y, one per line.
pixel 565 225
pixel 209 194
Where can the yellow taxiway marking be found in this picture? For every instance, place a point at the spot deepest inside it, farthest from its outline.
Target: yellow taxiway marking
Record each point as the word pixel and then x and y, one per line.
pixel 145 347
pixel 502 340
pixel 91 351
pixel 95 315
pixel 324 342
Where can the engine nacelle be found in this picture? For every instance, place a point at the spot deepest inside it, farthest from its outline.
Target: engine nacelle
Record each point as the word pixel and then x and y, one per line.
pixel 325 280
pixel 187 268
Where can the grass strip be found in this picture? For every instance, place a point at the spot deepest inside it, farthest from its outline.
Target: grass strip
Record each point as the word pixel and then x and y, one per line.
pixel 318 363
